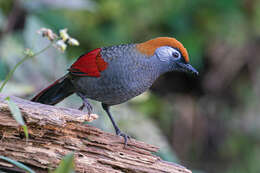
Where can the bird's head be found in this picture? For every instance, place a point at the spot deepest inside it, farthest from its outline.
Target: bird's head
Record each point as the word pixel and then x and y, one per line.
pixel 170 52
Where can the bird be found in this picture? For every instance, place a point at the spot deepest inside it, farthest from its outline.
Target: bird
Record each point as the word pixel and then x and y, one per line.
pixel 115 74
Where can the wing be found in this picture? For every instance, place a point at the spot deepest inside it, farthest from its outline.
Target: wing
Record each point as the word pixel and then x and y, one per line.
pixel 89 64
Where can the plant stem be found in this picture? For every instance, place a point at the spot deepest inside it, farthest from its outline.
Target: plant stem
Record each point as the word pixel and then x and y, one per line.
pixel 10 74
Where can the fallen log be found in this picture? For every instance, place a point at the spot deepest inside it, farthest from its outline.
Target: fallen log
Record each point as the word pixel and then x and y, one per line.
pixel 55 132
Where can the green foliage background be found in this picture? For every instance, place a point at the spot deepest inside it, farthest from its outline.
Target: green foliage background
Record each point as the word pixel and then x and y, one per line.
pixel 210 123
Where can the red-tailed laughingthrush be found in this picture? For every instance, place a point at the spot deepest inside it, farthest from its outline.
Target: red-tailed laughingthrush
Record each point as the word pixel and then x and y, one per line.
pixel 115 74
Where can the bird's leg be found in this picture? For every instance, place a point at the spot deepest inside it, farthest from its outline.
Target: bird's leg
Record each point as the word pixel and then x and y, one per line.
pixel 85 104
pixel 118 131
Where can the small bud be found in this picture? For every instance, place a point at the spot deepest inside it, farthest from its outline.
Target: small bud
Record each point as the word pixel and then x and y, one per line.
pixel 61 45
pixel 64 34
pixel 28 52
pixel 73 42
pixel 45 32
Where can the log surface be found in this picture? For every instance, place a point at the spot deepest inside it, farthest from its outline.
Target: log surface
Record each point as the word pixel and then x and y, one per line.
pixel 55 132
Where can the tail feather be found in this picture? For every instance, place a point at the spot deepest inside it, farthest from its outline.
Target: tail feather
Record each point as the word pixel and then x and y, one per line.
pixel 56 92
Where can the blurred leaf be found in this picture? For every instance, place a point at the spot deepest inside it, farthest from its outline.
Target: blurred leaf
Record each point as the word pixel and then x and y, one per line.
pixel 16 113
pixel 66 165
pixel 18 164
pixel 25 129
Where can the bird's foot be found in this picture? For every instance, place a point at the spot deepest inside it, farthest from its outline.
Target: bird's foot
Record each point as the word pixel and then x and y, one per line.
pixel 118 132
pixel 85 104
pixel 124 135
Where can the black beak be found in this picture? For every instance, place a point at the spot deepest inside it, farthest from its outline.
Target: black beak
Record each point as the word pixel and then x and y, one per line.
pixel 188 68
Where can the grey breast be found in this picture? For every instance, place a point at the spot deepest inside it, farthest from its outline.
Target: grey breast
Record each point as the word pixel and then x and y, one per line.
pixel 128 74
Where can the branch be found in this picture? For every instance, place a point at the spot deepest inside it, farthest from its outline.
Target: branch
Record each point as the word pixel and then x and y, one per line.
pixel 55 132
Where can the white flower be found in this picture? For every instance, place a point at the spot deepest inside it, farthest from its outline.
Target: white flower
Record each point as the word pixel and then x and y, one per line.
pixel 64 34
pixel 64 39
pixel 73 42
pixel 45 32
pixel 61 45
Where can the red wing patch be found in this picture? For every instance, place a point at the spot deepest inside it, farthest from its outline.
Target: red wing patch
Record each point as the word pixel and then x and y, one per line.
pixel 89 64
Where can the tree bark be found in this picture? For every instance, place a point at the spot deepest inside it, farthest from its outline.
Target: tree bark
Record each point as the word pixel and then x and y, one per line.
pixel 55 132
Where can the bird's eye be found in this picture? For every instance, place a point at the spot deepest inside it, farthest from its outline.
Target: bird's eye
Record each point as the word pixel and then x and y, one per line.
pixel 176 54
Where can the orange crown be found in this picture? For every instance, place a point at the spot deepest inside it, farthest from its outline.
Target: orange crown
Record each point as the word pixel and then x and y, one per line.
pixel 150 46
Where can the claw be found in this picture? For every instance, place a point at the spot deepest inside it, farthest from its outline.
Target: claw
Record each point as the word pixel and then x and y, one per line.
pixel 81 107
pixel 85 104
pixel 124 135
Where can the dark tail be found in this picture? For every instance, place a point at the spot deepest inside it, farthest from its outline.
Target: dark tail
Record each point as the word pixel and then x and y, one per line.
pixel 56 92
